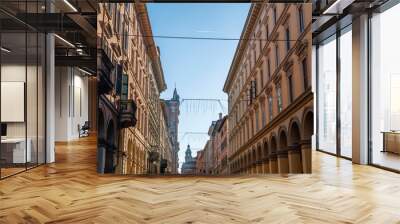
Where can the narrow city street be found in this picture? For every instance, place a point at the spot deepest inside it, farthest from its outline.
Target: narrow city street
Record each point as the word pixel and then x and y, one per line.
pixel 70 191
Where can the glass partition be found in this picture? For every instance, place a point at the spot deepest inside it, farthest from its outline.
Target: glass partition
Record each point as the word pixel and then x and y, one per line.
pixel 22 88
pixel 13 121
pixel 385 89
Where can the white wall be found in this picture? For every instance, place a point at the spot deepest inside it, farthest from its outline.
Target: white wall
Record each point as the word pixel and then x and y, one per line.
pixel 16 73
pixel 71 102
pixel 33 126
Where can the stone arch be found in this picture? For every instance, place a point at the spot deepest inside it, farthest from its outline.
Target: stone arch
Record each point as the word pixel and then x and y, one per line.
pixel 307 132
pixel 308 124
pixel 248 158
pixel 259 158
pixel 259 153
pixel 273 145
pixel 294 132
pixel 282 144
pixel 100 125
pixel 283 163
pixel 254 156
pixel 266 149
pixel 294 153
pixel 245 161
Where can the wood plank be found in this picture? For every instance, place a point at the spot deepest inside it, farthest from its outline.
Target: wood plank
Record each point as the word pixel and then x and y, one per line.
pixel 70 191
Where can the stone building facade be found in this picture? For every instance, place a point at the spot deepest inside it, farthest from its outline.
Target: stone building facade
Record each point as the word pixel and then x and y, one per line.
pixel 221 146
pixel 172 115
pixel 200 163
pixel 269 92
pixel 166 156
pixel 125 36
pixel 214 156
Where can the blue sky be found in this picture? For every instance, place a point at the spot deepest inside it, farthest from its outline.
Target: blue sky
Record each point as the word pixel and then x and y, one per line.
pixel 198 68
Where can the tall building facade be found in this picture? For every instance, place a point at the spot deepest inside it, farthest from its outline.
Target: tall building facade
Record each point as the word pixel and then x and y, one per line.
pixel 200 163
pixel 221 146
pixel 214 156
pixel 130 58
pixel 269 92
pixel 172 114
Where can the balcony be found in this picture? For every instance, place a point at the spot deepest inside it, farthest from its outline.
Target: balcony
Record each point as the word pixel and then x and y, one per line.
pixel 127 113
pixel 104 68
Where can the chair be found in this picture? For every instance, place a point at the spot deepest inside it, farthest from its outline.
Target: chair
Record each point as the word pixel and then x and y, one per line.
pixel 84 130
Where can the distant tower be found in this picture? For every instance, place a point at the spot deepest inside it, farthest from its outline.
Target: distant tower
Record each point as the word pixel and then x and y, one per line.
pixel 188 154
pixel 173 122
pixel 189 166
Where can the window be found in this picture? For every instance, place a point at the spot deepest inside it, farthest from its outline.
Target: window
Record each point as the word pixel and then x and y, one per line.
pixel 253 89
pixel 125 39
pixel 290 82
pixel 261 74
pixel 305 75
pixel 270 109
pixel 327 99
pixel 345 93
pixel 276 56
pixel 253 53
pixel 385 88
pixel 274 14
pixel 124 90
pixel 301 19
pixel 263 118
pixel 279 96
pixel 269 68
pixel 257 119
pixel 116 20
pixel 287 39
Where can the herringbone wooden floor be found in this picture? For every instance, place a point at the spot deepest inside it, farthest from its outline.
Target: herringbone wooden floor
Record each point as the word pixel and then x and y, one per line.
pixel 70 191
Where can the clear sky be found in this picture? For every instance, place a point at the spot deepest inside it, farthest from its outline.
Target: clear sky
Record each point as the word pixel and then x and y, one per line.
pixel 198 68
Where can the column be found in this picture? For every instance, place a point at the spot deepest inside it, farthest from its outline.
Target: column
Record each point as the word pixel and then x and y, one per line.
pixel 306 155
pixel 360 90
pixel 50 97
pixel 294 156
pixel 283 162
pixel 273 163
pixel 101 155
